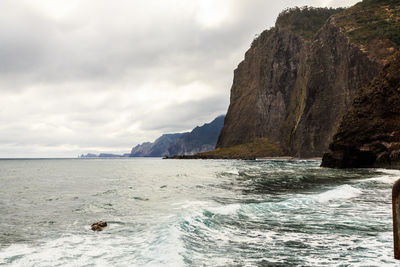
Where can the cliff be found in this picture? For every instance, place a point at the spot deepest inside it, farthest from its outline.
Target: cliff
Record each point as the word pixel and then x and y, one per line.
pixel 200 139
pixel 298 78
pixel 369 134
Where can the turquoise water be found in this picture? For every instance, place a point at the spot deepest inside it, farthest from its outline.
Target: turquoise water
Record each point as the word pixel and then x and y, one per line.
pixel 193 213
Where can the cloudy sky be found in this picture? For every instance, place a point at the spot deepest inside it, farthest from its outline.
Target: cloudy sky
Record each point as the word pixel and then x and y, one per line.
pixel 82 76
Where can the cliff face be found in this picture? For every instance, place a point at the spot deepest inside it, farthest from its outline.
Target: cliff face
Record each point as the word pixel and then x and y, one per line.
pixel 299 78
pixel 336 71
pixel 369 134
pixel 200 139
pixel 262 88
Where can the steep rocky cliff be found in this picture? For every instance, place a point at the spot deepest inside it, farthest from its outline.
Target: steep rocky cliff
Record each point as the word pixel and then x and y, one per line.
pixel 298 78
pixel 369 134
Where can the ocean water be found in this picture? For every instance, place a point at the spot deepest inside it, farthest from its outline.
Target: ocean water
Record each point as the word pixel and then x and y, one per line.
pixel 193 213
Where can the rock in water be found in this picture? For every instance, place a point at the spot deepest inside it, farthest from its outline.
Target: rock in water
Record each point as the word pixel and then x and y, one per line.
pixel 99 226
pixel 369 133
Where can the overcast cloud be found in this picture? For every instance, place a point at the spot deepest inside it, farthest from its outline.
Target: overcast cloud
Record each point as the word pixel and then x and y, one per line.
pixel 82 76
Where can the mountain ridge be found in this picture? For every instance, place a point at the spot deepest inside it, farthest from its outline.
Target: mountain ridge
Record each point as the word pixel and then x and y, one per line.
pixel 200 139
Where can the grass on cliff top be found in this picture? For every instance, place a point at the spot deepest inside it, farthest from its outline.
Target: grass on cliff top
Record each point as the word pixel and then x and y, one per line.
pixel 305 21
pixel 372 19
pixel 260 147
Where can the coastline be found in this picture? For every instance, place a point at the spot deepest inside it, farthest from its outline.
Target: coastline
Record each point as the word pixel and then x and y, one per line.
pixel 278 158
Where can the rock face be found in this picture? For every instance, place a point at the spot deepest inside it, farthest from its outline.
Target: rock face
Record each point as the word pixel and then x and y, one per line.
pixel 369 134
pixel 298 78
pixel 200 139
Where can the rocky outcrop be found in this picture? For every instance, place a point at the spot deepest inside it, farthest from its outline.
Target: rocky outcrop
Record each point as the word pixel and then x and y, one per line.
pixel 369 134
pixel 299 78
pixel 200 139
pixel 99 226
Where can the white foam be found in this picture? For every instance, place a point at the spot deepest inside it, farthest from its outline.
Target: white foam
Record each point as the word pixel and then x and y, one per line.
pixel 391 177
pixel 384 179
pixel 390 172
pixel 226 209
pixel 157 246
pixel 342 192
pixel 233 171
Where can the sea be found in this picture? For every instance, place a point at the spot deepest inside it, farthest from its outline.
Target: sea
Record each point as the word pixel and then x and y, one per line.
pixel 193 213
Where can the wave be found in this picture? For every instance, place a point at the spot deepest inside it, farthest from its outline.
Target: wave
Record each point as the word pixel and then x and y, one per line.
pixel 233 171
pixel 342 192
pixel 155 246
pixel 390 176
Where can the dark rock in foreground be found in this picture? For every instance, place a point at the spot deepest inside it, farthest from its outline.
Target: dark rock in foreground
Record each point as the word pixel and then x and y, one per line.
pixel 99 226
pixel 369 134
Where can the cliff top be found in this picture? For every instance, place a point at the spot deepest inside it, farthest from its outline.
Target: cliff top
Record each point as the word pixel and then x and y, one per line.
pixel 306 21
pixel 372 19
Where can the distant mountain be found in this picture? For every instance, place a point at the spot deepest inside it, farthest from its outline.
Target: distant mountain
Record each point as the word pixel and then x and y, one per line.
pixel 200 139
pixel 157 149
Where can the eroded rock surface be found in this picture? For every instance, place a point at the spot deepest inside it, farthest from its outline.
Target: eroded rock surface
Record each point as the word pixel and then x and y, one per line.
pixel 369 134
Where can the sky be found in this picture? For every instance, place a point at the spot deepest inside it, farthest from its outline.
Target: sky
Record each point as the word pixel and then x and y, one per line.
pixel 82 76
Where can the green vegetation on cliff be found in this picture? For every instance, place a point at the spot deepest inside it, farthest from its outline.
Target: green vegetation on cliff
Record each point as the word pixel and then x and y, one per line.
pixel 372 19
pixel 306 21
pixel 257 148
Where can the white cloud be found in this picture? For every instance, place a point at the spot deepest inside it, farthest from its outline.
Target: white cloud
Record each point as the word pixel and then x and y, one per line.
pixel 83 76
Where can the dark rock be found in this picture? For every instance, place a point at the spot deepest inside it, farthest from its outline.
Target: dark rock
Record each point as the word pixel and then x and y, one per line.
pixel 99 226
pixel 369 133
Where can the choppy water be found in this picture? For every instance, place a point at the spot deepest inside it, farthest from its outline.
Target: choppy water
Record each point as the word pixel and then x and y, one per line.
pixel 193 213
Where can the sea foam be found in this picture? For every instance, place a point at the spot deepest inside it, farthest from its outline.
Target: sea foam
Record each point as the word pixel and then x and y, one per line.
pixel 341 192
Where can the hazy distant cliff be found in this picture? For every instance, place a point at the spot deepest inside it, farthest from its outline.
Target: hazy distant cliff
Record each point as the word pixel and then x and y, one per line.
pixel 200 139
pixel 298 78
pixel 158 148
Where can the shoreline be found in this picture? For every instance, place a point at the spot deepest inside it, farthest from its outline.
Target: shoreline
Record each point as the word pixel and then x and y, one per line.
pixel 283 158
